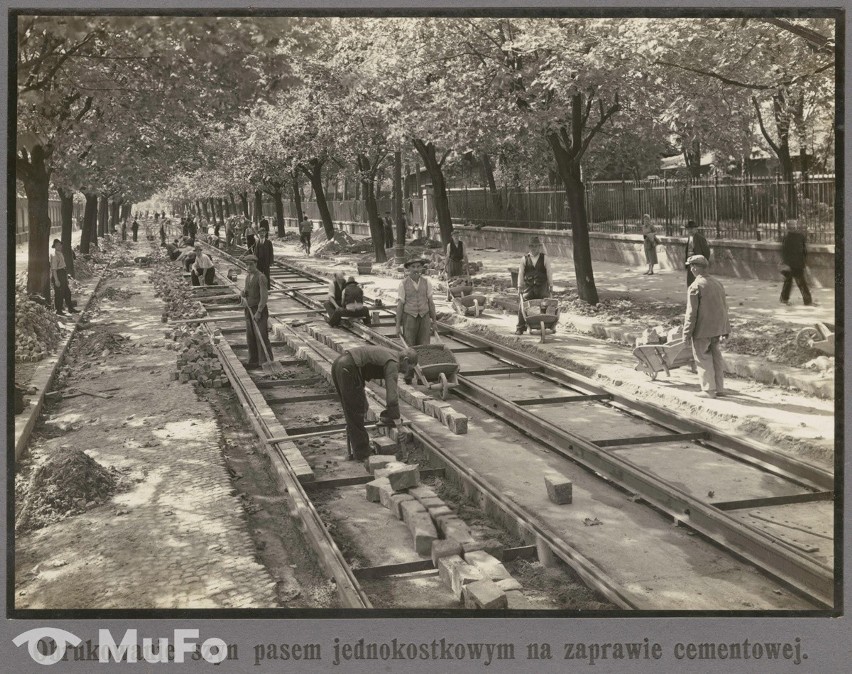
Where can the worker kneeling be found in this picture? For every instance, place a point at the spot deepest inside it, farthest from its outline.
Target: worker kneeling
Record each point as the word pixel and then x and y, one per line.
pixel 353 305
pixel 203 270
pixel 350 372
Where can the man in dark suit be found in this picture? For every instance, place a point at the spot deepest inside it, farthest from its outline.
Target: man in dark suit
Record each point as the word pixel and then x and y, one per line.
pixel 793 256
pixel 696 244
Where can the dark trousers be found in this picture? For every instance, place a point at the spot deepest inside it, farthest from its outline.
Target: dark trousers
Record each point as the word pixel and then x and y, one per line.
pixel 529 293
pixel 249 241
pixel 209 276
pixel 62 293
pixel 799 275
pixel 329 308
pixel 350 387
pixel 162 237
pixel 253 337
pixel 305 238
pixel 388 237
pixel 123 234
pixel 135 233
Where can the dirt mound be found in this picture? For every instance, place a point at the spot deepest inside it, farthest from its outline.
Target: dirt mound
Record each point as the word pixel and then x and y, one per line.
pixel 36 328
pixel 99 343
pixel 341 241
pixel 424 242
pixel 60 487
pixel 112 293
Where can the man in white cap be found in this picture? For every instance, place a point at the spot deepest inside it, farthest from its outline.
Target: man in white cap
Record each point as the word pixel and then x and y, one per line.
pixel 415 308
pixel 705 324
pixel 535 279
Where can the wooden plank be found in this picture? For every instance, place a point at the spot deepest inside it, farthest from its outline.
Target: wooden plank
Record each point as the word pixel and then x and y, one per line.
pixel 562 399
pixel 371 572
pixel 500 370
pixel 651 439
pixel 278 383
pixel 240 345
pixel 471 349
pixel 767 501
pixel 302 399
pixel 523 552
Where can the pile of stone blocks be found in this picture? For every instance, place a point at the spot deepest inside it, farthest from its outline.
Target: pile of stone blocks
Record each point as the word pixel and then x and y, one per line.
pixel 470 569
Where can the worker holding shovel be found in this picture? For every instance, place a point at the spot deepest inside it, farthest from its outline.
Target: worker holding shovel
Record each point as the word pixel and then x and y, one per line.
pixel 350 372
pixel 254 297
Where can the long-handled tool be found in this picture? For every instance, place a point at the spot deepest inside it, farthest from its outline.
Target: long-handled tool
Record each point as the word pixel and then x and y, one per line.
pixel 269 366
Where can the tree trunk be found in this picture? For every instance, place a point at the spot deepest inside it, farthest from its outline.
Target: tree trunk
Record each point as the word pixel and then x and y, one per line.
pixel 126 207
pixel 245 204
pixel 278 199
pixel 313 171
pixel 488 179
pixel 399 249
pixel 258 207
pixel 220 210
pixel 234 209
pixel 113 216
pixel 90 223
pixel 376 230
pixel 439 186
pixel 36 186
pixel 297 199
pixel 569 171
pixel 66 201
pixel 103 214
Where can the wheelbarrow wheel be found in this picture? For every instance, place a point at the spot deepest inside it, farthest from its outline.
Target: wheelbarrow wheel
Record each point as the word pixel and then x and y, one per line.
pixel 805 337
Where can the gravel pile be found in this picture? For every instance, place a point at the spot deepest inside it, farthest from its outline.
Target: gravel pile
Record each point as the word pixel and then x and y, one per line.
pixel 36 327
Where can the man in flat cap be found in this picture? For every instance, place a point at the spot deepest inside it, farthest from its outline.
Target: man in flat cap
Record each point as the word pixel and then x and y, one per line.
pixel 254 297
pixel 415 308
pixel 705 324
pixel 535 279
pixel 696 244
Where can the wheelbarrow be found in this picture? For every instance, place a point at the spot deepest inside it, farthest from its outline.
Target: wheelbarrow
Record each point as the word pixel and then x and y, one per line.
pixel 820 337
pixel 465 302
pixel 656 358
pixel 541 315
pixel 441 375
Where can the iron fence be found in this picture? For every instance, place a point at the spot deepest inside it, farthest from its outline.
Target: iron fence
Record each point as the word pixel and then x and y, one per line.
pixel 727 208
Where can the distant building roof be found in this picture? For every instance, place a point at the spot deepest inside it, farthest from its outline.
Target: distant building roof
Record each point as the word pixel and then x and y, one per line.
pixel 677 161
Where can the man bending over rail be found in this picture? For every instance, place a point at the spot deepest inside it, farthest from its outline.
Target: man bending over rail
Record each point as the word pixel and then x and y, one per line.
pixel 350 371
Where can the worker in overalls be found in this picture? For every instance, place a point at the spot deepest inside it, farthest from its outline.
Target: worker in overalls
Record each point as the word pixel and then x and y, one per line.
pixel 350 372
pixel 535 279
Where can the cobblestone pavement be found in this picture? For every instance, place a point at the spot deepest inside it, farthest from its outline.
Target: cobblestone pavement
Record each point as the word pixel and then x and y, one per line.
pixel 178 537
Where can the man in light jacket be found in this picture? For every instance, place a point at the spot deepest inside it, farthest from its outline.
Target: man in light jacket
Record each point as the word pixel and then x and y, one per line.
pixel 705 324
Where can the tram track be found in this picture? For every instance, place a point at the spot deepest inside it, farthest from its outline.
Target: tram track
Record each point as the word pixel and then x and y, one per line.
pixel 531 395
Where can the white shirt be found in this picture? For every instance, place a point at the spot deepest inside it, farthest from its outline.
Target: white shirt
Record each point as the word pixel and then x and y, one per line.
pixel 534 259
pixel 57 260
pixel 401 291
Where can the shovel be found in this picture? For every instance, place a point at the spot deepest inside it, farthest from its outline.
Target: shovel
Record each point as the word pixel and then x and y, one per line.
pixel 270 366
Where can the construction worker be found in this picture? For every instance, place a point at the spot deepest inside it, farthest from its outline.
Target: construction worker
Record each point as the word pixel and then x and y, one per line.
pixel 254 297
pixel 415 308
pixel 350 372
pixel 535 279
pixel 352 305
pixel 203 269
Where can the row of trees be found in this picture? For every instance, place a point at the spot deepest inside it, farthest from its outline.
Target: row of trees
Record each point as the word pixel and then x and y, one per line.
pixel 222 110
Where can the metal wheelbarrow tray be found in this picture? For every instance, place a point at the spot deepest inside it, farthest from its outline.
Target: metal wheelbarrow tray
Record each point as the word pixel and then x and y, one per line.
pixel 541 315
pixel 656 358
pixel 444 375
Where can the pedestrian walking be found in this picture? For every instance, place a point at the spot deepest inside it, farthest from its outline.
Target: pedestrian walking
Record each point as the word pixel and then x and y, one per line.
pixel 388 227
pixel 254 298
pixel 350 371
pixel 794 254
pixel 415 308
pixel 264 253
pixel 135 228
pixel 250 237
pixel 124 229
pixel 59 279
pixel 706 323
pixel 650 240
pixel 696 244
pixel 305 229
pixel 535 279
pixel 203 271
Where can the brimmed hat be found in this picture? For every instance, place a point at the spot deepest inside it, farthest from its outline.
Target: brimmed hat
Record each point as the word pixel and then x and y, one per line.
pixel 691 223
pixel 698 260
pixel 415 260
pixel 55 241
pixel 250 258
pixel 535 241
pixel 456 230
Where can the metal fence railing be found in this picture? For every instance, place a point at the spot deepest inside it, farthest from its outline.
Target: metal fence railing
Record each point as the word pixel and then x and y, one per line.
pixel 729 208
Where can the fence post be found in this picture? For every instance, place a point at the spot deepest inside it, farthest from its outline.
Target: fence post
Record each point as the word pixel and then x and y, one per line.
pixel 666 205
pixel 778 204
pixel 716 204
pixel 623 206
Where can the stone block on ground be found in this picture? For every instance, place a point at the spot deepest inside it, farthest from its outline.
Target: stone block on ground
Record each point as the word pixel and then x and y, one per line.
pixel 509 585
pixel 491 545
pixel 484 594
pixel 489 566
pixel 422 491
pixel 383 472
pixel 386 493
pixel 374 489
pixel 409 509
pixel 457 423
pixel 444 548
pixel 423 532
pixel 516 600
pixel 462 575
pixel 432 503
pixel 559 488
pixel 384 446
pixel 440 511
pixel 396 501
pixel 445 569
pixel 404 437
pixel 404 478
pixel 457 530
pixel 377 462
